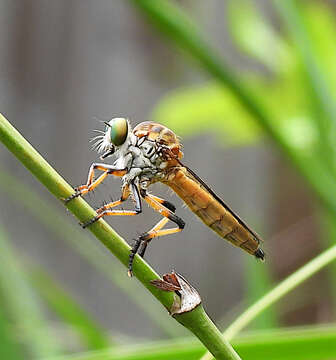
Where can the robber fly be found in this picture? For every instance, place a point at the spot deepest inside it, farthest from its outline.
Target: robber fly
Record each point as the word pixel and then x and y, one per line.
pixel 152 153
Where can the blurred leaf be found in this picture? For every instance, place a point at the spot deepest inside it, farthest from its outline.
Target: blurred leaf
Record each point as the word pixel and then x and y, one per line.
pixel 179 27
pixel 310 343
pixel 213 109
pixel 320 94
pixel 22 304
pixel 313 343
pixel 207 109
pixel 320 24
pixel 286 100
pixel 256 37
pixel 93 337
pixel 10 349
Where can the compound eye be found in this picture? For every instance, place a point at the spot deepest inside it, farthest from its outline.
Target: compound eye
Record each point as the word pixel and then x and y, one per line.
pixel 119 131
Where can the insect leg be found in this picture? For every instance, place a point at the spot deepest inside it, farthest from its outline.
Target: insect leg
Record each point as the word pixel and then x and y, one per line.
pixel 158 205
pixel 141 243
pixel 155 228
pixel 165 203
pixel 91 183
pixel 105 210
pixel 164 211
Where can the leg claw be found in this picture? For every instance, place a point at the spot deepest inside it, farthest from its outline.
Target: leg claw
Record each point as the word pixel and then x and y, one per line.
pixel 90 222
pixel 73 196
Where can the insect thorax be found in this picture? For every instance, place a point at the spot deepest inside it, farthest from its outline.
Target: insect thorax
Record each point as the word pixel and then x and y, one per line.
pixel 144 159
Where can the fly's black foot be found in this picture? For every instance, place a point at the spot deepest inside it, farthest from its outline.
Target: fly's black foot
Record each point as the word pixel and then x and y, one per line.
pixel 133 251
pixel 130 273
pixel 90 222
pixel 73 196
pixel 139 247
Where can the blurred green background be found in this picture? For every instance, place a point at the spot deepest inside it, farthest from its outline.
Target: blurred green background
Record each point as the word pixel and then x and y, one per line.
pixel 250 88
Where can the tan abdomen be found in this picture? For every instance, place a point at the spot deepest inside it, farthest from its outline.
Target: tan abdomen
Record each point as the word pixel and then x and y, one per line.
pixel 214 214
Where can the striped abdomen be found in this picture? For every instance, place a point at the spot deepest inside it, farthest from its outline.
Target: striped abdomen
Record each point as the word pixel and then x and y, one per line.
pixel 212 211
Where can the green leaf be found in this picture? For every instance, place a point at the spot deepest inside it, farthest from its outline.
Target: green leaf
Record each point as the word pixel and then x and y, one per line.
pixel 287 102
pixel 210 108
pixel 309 343
pixel 92 335
pixel 23 305
pixel 320 92
pixel 256 37
pixel 213 109
pixel 10 348
pixel 320 25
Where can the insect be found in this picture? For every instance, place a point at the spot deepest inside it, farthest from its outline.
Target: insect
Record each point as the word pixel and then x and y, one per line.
pixel 152 153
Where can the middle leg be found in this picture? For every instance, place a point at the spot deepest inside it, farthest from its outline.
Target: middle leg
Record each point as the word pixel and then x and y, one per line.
pixel 106 209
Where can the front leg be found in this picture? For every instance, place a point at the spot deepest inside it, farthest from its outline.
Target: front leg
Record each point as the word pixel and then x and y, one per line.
pixel 91 184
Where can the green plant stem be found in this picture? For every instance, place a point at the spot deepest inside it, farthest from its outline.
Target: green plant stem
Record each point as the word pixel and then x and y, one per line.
pixel 196 320
pixel 180 28
pixel 283 288
pixel 23 306
pixel 82 243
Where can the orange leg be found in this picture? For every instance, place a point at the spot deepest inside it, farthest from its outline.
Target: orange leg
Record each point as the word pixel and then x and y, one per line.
pixel 156 231
pixel 125 193
pixel 105 210
pixel 91 184
pixel 158 205
pixel 153 202
pixel 164 202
